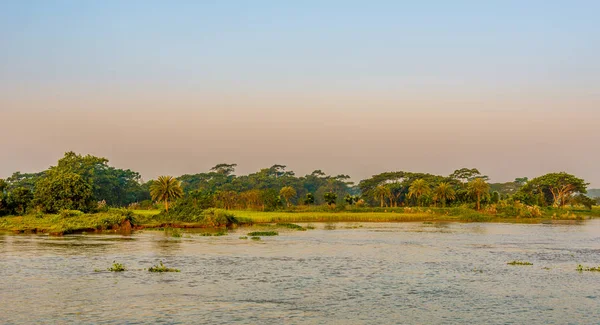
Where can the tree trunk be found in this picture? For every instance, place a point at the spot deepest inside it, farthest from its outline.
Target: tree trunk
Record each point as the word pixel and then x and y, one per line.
pixel 167 205
pixel 381 201
pixel 478 201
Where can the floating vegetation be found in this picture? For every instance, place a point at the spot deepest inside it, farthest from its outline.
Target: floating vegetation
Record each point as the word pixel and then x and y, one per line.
pixel 581 268
pixel 329 226
pixel 310 226
pixel 117 267
pixel 291 226
pixel 255 238
pixel 213 234
pixel 244 237
pixel 428 223
pixel 519 263
pixel 160 268
pixel 176 233
pixel 263 233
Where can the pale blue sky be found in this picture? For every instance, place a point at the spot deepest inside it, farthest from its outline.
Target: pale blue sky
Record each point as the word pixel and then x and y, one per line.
pixel 131 80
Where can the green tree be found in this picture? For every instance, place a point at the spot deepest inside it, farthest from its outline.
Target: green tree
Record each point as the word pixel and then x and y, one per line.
pixel 560 187
pixel 495 197
pixel 20 198
pixel 381 192
pixel 478 188
pixel 351 199
pixel 63 191
pixel 166 188
pixel 330 198
pixel 287 192
pixel 418 189
pixel 443 192
pixel 309 199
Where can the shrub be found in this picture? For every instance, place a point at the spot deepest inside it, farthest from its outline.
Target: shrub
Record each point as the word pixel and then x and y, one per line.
pixel 160 268
pixel 117 267
pixel 70 213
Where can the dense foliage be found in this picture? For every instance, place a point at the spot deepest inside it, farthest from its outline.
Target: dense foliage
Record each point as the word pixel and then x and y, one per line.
pixel 89 184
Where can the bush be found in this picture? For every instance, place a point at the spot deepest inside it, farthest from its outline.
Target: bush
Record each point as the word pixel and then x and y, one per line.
pixel 70 213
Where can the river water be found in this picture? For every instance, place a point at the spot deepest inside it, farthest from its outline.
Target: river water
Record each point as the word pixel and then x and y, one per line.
pixel 368 273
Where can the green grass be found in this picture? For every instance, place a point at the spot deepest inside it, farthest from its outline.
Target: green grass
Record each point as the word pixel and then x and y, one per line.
pixel 295 217
pixel 66 223
pixel 160 268
pixel 263 233
pixel 519 263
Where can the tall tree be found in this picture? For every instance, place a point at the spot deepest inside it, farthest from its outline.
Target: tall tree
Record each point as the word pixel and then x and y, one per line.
pixel 287 192
pixel 417 189
pixel 165 189
pixel 63 191
pixel 443 192
pixel 381 192
pixel 478 188
pixel 560 187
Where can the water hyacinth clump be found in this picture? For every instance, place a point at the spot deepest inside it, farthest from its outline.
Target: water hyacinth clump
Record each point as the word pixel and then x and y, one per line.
pixel 160 268
pixel 213 234
pixel 117 267
pixel 519 263
pixel 291 226
pixel 581 268
pixel 243 237
pixel 255 238
pixel 263 233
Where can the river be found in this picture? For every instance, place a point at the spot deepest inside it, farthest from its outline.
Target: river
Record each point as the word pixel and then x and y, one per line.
pixel 345 273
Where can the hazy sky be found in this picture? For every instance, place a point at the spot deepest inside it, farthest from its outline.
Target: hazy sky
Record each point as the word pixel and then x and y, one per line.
pixel 353 87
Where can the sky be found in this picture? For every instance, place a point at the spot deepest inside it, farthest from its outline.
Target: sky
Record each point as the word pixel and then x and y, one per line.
pixel 350 87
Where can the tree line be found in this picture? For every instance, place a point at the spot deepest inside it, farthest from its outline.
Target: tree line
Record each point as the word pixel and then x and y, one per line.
pixel 89 183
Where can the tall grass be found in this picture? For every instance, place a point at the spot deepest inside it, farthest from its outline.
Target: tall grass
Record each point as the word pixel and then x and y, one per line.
pixel 291 217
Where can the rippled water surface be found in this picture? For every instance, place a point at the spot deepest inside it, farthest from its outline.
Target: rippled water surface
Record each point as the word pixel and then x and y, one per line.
pixel 371 273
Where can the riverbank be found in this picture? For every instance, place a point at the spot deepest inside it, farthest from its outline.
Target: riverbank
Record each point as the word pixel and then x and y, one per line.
pixel 122 220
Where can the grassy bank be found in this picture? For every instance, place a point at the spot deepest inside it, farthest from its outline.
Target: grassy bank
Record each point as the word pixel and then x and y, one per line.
pixel 125 220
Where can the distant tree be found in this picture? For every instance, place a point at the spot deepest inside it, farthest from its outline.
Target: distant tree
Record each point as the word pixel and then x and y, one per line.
pixel 381 192
pixel 330 198
pixel 583 200
pixel 418 189
pixel 478 188
pixel 20 198
pixel 165 189
pixel 351 199
pixel 560 187
pixel 224 169
pixel 309 199
pixel 227 199
pixel 521 181
pixel 495 197
pixel 466 175
pixel 443 192
pixel 3 197
pixel 63 191
pixel 287 193
pixel 270 199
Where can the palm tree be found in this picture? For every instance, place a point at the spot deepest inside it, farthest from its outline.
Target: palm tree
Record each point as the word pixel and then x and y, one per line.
pixel 381 192
pixel 417 189
pixel 478 187
pixel 166 188
pixel 443 192
pixel 287 193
